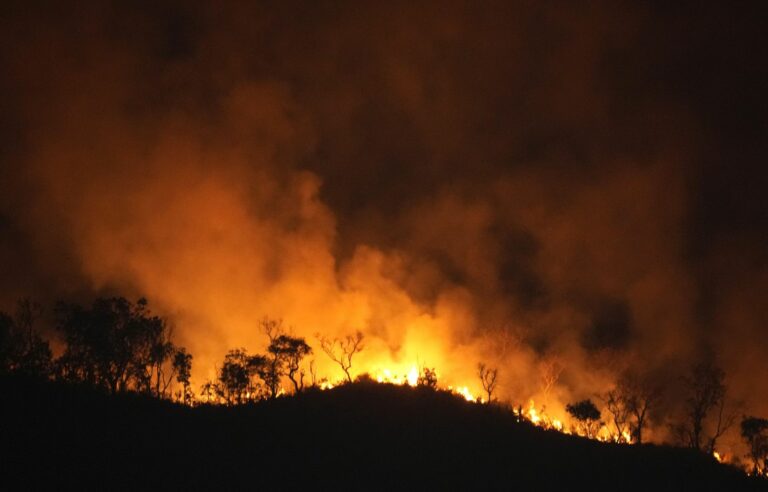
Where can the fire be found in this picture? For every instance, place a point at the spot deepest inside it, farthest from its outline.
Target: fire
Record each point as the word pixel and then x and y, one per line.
pixel 413 376
pixel 464 391
pixel 410 378
pixel 533 414
pixel 539 418
pixel 627 436
pixel 717 456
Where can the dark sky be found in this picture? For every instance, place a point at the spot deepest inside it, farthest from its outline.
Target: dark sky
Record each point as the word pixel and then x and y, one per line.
pixel 590 176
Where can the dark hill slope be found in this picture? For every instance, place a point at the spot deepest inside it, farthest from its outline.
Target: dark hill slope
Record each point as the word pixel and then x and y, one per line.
pixel 360 436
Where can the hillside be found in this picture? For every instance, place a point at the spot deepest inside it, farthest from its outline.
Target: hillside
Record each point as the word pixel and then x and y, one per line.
pixel 358 436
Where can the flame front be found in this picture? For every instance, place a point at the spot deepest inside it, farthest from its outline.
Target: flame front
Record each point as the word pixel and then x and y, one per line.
pixel 411 378
pixel 387 375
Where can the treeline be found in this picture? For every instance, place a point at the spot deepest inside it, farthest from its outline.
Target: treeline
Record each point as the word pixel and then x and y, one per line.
pixel 118 346
pixel 245 377
pixel 114 345
pixel 636 401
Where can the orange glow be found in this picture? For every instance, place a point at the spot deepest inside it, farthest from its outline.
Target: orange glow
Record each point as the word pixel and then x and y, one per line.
pixel 410 377
pixel 626 436
pixel 533 414
pixel 464 391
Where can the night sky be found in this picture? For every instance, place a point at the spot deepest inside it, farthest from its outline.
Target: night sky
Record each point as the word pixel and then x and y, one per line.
pixel 585 181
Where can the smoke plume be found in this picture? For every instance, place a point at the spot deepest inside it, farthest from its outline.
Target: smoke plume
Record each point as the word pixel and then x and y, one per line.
pixel 514 183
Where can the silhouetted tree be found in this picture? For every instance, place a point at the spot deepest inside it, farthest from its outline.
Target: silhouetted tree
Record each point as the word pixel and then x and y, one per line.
pixel 236 376
pixel 182 364
pixel 725 420
pixel 35 358
pixel 22 350
pixel 632 401
pixel 587 415
pixel 427 378
pixel 116 345
pixel 705 388
pixel 488 378
pixel 754 430
pixel 210 391
pixel 341 351
pixel 153 364
pixel 272 370
pixel 99 342
pixel 284 356
pixel 290 351
pixel 616 403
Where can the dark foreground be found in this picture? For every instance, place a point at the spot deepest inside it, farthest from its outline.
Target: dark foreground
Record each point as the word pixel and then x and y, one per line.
pixel 360 436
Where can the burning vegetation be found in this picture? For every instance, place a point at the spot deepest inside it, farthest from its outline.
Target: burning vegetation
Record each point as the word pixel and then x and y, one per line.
pixel 120 347
pixel 546 209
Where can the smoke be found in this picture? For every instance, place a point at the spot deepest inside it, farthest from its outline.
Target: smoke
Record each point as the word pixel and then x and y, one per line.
pixel 516 184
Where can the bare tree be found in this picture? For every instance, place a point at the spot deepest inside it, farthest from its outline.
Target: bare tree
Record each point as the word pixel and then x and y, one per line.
pixel 550 374
pixel 504 340
pixel 616 404
pixel 273 328
pixel 725 420
pixel 488 378
pixel 705 390
pixel 342 350
pixel 640 395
